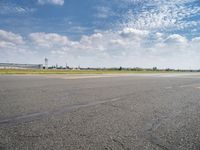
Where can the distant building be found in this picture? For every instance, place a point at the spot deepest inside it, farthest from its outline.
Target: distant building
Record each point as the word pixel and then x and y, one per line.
pixel 20 66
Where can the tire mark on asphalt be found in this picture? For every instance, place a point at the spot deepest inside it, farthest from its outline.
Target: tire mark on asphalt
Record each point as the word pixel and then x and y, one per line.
pixel 40 115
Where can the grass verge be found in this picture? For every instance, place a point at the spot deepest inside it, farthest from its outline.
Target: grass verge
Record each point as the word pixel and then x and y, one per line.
pixel 37 71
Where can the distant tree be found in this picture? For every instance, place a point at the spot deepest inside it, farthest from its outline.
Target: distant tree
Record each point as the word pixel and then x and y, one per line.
pixel 155 68
pixel 120 68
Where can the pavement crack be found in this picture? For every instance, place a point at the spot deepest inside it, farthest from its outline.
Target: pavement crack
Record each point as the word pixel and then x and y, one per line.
pixel 150 129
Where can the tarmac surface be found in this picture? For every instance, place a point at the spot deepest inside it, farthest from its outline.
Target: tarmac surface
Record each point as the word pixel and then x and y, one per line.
pixel 89 112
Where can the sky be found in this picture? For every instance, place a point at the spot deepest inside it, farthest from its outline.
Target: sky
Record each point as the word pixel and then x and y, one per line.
pixel 101 33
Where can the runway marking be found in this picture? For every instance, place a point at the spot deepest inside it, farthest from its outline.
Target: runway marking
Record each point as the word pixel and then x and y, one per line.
pixel 40 115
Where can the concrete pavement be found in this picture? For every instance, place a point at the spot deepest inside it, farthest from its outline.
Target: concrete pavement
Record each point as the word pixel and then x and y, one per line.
pixel 154 111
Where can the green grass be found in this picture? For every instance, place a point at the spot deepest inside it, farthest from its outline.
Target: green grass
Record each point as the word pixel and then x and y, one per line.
pixel 37 71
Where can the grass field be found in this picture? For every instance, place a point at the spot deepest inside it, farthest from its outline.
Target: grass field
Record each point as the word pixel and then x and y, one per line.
pixel 37 71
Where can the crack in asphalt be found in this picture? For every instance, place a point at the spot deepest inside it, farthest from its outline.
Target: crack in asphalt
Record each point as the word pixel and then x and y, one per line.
pixel 152 126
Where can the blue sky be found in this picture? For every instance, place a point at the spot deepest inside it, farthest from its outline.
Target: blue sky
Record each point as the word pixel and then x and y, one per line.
pixel 101 33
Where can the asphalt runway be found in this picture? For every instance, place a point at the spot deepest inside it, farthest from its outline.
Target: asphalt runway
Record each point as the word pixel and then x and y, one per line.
pixel 94 112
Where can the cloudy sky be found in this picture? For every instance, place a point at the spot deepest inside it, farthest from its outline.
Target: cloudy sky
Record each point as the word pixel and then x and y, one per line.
pixel 101 33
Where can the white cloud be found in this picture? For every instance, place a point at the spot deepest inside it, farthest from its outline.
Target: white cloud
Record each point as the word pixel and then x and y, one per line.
pixel 49 39
pixel 14 48
pixel 128 45
pixel 10 39
pixel 176 38
pixel 104 12
pixel 139 48
pixel 196 40
pixel 15 9
pixel 161 15
pixel 112 49
pixel 108 42
pixel 54 2
pixel 135 33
